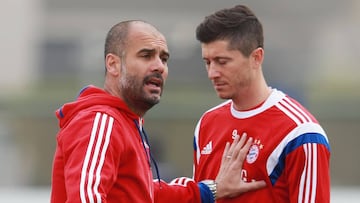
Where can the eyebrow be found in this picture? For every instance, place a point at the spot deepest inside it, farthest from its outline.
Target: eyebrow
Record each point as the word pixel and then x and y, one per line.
pixel 145 50
pixel 218 58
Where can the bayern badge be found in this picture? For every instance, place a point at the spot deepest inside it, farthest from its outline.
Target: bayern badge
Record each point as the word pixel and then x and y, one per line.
pixel 253 154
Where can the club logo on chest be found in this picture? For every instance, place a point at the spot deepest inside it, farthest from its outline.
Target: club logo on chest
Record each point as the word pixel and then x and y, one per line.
pixel 254 150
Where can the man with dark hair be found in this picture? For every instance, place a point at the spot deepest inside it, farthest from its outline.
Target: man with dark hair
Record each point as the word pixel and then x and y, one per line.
pixel 102 152
pixel 291 151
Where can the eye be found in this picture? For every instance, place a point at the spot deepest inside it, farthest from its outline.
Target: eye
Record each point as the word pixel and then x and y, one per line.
pixel 222 62
pixel 165 59
pixel 146 55
pixel 207 62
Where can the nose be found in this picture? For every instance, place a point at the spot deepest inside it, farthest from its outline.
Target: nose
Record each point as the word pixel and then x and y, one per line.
pixel 159 65
pixel 212 71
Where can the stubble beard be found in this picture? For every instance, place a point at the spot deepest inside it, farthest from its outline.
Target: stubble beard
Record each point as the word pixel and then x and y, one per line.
pixel 134 94
pixel 227 94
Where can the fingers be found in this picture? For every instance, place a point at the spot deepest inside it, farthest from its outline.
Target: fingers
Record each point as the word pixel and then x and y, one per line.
pixel 226 157
pixel 229 177
pixel 240 151
pixel 237 150
pixel 232 148
pixel 226 152
pixel 244 150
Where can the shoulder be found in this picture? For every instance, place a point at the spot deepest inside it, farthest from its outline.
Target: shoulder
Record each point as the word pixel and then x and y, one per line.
pixel 220 108
pixel 215 113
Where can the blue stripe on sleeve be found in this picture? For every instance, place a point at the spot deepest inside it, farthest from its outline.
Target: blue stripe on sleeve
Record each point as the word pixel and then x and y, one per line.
pixel 61 112
pixel 291 146
pixel 194 144
pixel 205 194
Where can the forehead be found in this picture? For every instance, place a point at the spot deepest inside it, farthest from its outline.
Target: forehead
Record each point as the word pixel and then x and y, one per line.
pixel 143 35
pixel 215 48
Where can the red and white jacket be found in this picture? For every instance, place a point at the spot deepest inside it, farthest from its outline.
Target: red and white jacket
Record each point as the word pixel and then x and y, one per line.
pixel 101 157
pixel 290 152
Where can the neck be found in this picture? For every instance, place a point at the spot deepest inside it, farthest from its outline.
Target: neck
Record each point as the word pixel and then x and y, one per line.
pixel 137 108
pixel 249 97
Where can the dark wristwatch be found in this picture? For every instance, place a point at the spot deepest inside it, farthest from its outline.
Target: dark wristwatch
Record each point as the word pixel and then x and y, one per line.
pixel 211 185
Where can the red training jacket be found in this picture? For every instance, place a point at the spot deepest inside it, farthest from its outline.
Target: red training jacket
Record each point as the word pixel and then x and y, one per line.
pixel 100 156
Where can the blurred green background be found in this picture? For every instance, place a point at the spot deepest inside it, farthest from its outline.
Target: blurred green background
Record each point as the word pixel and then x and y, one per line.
pixel 51 49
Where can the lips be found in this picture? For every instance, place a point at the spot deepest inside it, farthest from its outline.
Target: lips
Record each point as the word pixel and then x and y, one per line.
pixel 158 82
pixel 154 83
pixel 218 83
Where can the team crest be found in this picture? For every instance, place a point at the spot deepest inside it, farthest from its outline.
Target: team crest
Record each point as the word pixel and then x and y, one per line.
pixel 254 151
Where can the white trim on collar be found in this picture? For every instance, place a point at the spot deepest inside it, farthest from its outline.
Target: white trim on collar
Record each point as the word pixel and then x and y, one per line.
pixel 275 97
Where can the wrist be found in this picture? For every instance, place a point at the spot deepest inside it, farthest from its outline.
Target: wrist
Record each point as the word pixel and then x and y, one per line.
pixel 212 185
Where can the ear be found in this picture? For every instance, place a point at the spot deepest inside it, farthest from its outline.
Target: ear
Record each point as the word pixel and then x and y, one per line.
pixel 258 56
pixel 112 64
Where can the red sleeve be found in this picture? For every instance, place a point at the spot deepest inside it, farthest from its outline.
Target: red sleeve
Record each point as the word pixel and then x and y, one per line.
pixel 308 173
pixel 88 173
pixel 180 190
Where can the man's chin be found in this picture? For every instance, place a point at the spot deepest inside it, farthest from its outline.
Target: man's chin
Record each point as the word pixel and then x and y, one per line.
pixel 153 99
pixel 223 96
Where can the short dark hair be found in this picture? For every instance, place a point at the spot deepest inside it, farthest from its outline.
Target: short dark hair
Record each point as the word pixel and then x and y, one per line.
pixel 238 24
pixel 117 37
